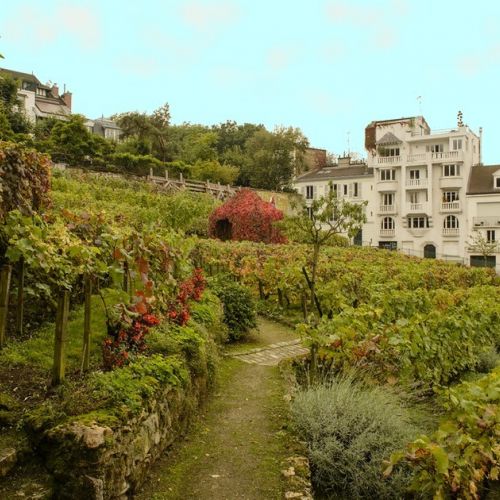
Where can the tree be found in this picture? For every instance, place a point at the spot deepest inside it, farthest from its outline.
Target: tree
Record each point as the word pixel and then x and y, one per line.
pixel 320 224
pixel 12 108
pixel 212 170
pixel 478 243
pixel 273 158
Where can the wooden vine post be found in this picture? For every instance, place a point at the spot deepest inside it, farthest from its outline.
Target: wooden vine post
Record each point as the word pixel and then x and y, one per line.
pixel 20 297
pixel 59 366
pixel 5 274
pixel 86 323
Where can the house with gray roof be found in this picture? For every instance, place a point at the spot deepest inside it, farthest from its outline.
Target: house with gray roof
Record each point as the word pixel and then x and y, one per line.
pixel 39 101
pixel 483 207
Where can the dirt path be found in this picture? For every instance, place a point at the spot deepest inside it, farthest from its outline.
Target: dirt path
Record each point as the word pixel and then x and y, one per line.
pixel 234 451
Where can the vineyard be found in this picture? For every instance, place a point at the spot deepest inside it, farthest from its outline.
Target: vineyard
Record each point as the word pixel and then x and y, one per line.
pixel 110 292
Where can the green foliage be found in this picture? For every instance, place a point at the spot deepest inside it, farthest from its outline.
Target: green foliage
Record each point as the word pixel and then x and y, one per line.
pixel 273 158
pixel 213 171
pixel 350 428
pixel 239 306
pixel 24 179
pixel 128 163
pixel 136 203
pixel 456 460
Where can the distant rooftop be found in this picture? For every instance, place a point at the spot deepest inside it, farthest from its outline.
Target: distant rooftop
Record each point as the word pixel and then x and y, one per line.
pixel 481 179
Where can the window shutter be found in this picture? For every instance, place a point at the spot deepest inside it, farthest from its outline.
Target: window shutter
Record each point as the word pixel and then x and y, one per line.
pixel 359 189
pixel 315 192
pixel 350 190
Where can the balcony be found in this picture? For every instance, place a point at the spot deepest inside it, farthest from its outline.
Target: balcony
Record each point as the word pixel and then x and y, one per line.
pixel 488 221
pixel 435 157
pixel 417 208
pixel 416 183
pixel 387 186
pixel 389 160
pixel 387 209
pixel 387 233
pixel 451 206
pixel 417 158
pixel 451 231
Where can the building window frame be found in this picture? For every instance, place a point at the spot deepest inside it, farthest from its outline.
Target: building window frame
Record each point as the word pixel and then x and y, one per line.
pixel 418 222
pixel 451 170
pixel 451 222
pixel 450 196
pixel 491 236
pixel 387 174
pixel 388 223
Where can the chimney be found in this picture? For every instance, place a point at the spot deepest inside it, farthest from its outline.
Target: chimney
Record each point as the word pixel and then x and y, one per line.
pixel 55 90
pixel 66 97
pixel 344 161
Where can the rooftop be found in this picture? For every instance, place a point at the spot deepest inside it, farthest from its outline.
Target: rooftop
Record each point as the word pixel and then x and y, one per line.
pixel 330 173
pixel 481 179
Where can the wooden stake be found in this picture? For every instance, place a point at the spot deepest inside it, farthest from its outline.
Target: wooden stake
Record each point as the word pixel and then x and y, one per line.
pixel 86 323
pixel 58 370
pixel 20 297
pixel 5 274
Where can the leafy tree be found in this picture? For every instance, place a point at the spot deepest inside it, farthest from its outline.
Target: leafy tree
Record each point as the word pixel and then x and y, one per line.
pixel 213 171
pixel 320 224
pixel 72 142
pixel 9 100
pixel 273 157
pixel 478 243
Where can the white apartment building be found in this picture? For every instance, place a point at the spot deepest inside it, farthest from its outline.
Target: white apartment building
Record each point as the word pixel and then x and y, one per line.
pixel 416 184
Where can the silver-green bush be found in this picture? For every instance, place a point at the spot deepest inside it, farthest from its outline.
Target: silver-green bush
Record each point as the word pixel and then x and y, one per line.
pixel 350 428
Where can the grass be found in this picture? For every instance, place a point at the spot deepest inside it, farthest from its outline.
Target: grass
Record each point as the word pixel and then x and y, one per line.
pixel 38 351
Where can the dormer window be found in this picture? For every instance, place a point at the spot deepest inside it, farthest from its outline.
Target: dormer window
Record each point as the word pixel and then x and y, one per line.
pixel 496 182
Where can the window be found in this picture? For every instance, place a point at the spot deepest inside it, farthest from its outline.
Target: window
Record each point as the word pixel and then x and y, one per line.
pixel 414 197
pixel 389 151
pixel 310 212
pixel 388 199
pixel 387 223
pixel 490 236
pixel 388 174
pixel 457 144
pixel 418 222
pixel 355 190
pixel 414 174
pixel 497 182
pixel 435 148
pixel 345 189
pixel 451 170
pixel 309 192
pixel 335 188
pixel 450 196
pixel 451 222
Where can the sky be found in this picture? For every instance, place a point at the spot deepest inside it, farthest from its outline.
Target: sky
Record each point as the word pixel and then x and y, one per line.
pixel 328 67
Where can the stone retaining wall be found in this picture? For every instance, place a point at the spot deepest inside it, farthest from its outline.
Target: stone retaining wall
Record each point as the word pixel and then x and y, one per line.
pixel 91 461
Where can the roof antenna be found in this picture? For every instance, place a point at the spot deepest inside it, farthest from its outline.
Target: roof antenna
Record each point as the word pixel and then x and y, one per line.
pixel 419 100
pixel 348 144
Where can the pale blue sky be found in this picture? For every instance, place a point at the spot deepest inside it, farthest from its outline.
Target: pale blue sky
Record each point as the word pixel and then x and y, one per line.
pixel 326 66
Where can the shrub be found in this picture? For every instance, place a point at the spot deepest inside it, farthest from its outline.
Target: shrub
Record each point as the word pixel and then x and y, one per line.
pixel 350 429
pixel 239 307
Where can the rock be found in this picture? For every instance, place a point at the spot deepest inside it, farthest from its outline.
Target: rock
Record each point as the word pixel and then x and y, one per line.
pixel 288 472
pixel 92 436
pixel 293 494
pixel 8 459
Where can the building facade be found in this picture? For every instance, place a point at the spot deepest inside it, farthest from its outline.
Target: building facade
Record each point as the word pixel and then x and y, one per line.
pixel 40 101
pixel 425 189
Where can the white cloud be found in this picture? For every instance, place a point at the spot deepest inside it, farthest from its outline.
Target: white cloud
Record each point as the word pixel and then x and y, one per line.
pixel 209 16
pixel 386 38
pixel 279 58
pixel 137 66
pixel 472 64
pixel 38 27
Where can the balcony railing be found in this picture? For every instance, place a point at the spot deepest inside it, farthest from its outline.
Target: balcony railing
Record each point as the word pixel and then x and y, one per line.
pixel 428 157
pixel 416 183
pixel 450 206
pixel 389 160
pixel 387 233
pixel 451 231
pixel 488 221
pixel 387 209
pixel 416 157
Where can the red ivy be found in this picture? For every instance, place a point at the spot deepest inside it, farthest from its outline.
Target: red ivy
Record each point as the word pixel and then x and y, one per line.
pixel 250 218
pixel 191 289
